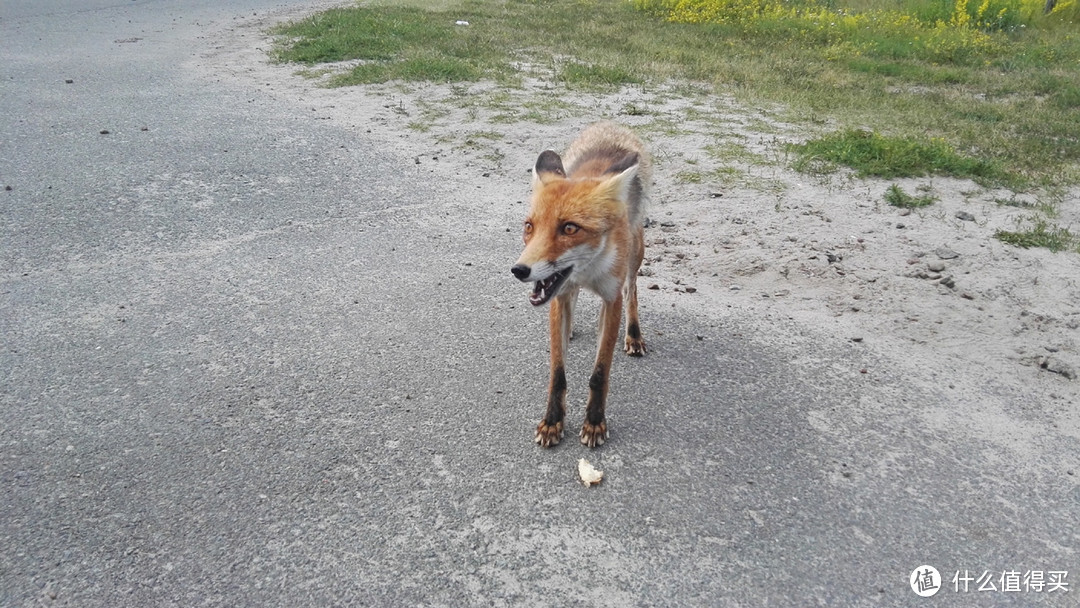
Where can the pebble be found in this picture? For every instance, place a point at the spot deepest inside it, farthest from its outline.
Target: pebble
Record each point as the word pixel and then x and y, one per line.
pixel 935 266
pixel 945 253
pixel 947 281
pixel 964 216
pixel 1057 366
pixel 905 212
pixel 734 288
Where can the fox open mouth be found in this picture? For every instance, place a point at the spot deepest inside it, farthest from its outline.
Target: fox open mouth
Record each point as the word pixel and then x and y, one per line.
pixel 546 289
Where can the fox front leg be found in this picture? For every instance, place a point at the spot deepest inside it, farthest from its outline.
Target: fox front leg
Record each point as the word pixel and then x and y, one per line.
pixel 594 429
pixel 550 430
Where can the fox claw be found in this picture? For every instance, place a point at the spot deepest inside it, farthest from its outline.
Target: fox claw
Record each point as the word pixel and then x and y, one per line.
pixel 548 435
pixel 593 435
pixel 635 348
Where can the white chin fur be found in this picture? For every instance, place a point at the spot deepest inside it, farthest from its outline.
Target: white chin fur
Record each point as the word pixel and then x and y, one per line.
pixel 592 268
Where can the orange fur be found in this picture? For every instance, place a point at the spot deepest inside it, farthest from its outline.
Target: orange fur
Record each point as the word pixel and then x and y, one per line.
pixel 585 230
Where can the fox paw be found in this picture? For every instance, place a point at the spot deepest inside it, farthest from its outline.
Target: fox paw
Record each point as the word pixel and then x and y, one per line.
pixel 635 347
pixel 593 435
pixel 549 435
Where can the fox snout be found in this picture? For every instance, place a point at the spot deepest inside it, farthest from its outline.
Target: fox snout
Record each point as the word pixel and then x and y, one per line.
pixel 521 271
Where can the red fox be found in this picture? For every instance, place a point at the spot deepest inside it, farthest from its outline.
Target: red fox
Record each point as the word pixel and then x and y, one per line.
pixel 585 228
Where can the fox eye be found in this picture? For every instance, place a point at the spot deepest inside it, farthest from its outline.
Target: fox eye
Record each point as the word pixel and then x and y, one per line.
pixel 570 228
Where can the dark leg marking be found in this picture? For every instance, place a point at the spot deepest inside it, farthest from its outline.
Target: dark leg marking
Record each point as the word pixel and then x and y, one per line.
pixel 556 397
pixel 550 430
pixel 594 429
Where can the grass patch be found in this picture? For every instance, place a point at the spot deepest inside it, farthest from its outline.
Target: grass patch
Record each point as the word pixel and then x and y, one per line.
pixel 871 154
pixel 898 197
pixel 596 76
pixel 1041 234
pixel 991 78
pixel 689 177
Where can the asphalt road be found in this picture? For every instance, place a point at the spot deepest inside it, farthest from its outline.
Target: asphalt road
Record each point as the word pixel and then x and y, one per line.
pixel 249 359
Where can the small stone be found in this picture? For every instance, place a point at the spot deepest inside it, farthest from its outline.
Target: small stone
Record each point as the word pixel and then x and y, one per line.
pixel 945 253
pixel 104 131
pixel 654 286
pixel 716 194
pixel 1057 366
pixel 967 296
pixel 900 226
pixel 734 288
pixel 948 281
pixel 904 212
pixel 964 216
pixel 936 266
pixel 857 339
pixel 690 289
pixel 68 81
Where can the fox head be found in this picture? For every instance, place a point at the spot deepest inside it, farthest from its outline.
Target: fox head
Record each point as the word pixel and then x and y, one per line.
pixel 569 232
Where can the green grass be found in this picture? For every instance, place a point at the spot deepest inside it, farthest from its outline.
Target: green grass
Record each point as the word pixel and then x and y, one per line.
pixel 897 197
pixel 391 43
pixel 1002 100
pixel 871 154
pixel 1041 234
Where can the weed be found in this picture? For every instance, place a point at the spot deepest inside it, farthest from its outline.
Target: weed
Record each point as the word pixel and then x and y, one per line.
pixel 897 197
pixel 689 177
pixel 1040 234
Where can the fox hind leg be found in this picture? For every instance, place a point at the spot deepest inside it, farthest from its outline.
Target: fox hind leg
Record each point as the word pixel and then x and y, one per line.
pixel 634 343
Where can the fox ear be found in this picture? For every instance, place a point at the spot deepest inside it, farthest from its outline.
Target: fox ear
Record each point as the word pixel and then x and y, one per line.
pixel 625 181
pixel 548 167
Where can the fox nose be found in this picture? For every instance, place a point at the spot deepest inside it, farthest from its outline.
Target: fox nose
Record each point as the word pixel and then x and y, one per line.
pixel 521 271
